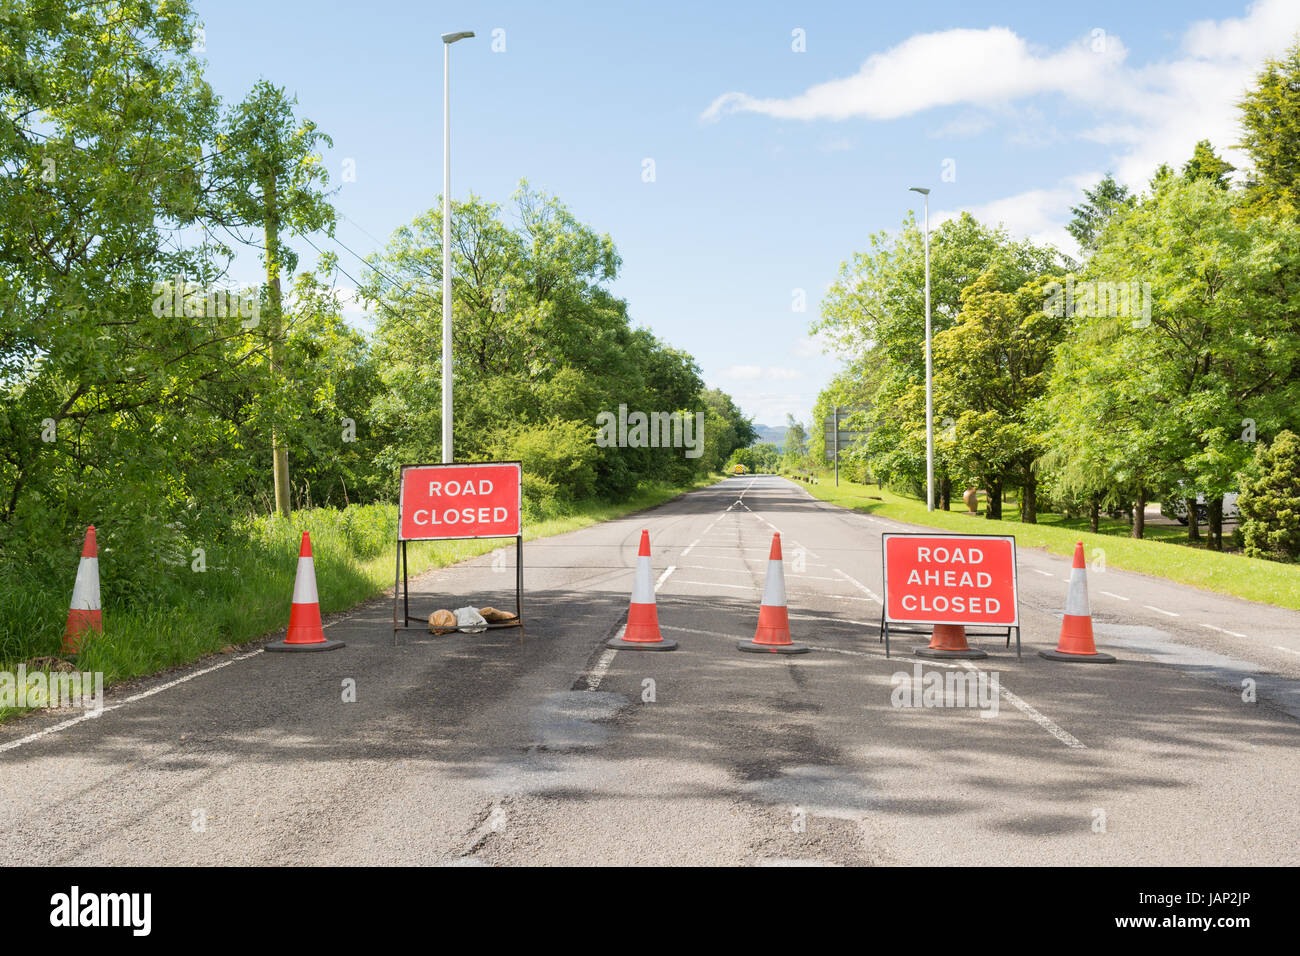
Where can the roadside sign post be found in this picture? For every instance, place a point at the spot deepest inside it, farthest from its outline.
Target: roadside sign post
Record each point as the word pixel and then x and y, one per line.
pixel 447 502
pixel 961 579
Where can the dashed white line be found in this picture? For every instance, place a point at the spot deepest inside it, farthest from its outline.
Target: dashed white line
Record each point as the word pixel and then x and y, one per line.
pixel 1118 597
pixel 860 586
pixel 1289 650
pixel 1152 607
pixel 1048 574
pixel 664 577
pixel 1041 720
pixel 689 546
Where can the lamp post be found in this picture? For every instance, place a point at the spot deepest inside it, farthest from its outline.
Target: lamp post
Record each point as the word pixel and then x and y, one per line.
pixel 929 367
pixel 447 40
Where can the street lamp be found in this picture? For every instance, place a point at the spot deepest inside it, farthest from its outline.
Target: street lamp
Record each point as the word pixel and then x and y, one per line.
pixel 447 40
pixel 929 368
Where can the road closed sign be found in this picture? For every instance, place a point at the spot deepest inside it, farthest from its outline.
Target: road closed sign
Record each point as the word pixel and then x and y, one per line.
pixel 950 579
pixel 461 501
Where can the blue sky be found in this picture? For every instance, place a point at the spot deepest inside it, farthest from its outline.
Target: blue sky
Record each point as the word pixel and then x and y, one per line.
pixel 771 166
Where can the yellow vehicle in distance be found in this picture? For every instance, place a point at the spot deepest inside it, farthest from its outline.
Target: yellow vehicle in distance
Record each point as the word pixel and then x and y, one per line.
pixel 740 470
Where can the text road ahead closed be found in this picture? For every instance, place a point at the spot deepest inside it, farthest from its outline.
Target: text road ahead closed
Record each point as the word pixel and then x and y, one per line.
pixel 460 501
pixel 950 579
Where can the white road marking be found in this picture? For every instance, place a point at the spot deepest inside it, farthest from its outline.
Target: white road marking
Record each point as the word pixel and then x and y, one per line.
pixel 1044 573
pixel 860 586
pixel 1042 721
pixel 1118 597
pixel 91 715
pixel 1152 607
pixel 664 577
pixel 689 546
pixel 715 584
pixel 602 665
pixel 1281 648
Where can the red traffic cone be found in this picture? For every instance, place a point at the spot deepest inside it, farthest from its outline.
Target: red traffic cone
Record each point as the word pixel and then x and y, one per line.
pixel 84 614
pixel 949 641
pixel 1076 626
pixel 642 630
pixel 773 634
pixel 305 632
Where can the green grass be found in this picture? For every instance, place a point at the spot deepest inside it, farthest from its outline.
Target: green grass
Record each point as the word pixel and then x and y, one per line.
pixel 1254 579
pixel 245 592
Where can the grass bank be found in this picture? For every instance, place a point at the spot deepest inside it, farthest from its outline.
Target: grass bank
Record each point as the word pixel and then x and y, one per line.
pixel 1256 580
pixel 244 592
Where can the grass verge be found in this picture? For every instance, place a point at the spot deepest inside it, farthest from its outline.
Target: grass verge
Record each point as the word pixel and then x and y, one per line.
pixel 244 593
pixel 1251 578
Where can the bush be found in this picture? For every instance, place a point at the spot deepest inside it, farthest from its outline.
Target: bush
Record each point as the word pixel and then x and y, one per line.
pixel 561 453
pixel 1270 501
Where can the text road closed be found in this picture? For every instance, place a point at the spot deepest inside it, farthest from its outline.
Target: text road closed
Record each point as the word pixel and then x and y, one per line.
pixel 950 579
pixel 460 501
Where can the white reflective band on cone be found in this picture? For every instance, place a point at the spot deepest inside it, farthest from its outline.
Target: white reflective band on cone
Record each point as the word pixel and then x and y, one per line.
pixel 774 589
pixel 85 591
pixel 1076 604
pixel 304 585
pixel 643 588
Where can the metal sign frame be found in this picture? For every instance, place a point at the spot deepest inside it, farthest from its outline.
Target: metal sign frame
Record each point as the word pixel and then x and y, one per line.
pixel 888 624
pixel 401 587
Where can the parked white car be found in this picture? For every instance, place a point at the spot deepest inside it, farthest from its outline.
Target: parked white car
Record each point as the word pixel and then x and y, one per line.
pixel 1176 508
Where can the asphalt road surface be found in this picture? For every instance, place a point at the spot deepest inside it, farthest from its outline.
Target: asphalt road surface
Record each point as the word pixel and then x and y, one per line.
pixel 545 748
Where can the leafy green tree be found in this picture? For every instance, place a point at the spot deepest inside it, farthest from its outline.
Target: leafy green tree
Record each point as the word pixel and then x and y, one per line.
pixel 993 365
pixel 1270 118
pixel 269 174
pixel 1206 164
pixel 1270 501
pixel 1101 204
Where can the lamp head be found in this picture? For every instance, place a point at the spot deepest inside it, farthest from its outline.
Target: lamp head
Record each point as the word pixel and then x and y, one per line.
pixel 453 37
pixel 919 189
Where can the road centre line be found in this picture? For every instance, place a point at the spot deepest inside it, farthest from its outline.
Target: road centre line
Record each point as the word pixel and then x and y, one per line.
pixel 91 715
pixel 1041 720
pixel 1044 573
pixel 1118 597
pixel 1224 630
pixel 664 577
pixel 689 546
pixel 1152 607
pixel 1281 648
pixel 860 586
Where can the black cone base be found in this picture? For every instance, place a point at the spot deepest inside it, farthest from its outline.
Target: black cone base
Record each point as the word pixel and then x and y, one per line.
pixel 622 645
pixel 970 654
pixel 319 646
pixel 1097 658
pixel 753 648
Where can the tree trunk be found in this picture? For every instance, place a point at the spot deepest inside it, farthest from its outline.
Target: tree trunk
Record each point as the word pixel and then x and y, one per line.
pixel 1214 529
pixel 279 453
pixel 1094 513
pixel 1193 521
pixel 993 504
pixel 945 492
pixel 1029 498
pixel 1140 513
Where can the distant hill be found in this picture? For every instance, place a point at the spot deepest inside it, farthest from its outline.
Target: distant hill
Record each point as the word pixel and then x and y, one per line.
pixel 775 434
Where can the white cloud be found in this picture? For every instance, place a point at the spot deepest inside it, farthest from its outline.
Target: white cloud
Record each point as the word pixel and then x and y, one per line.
pixel 939 69
pixel 749 373
pixel 1036 214
pixel 1149 114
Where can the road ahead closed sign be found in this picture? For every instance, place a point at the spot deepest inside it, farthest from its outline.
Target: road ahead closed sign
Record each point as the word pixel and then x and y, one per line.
pixel 950 579
pixel 461 501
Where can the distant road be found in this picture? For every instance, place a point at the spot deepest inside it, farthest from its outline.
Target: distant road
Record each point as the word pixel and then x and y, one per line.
pixel 485 749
